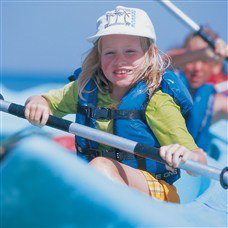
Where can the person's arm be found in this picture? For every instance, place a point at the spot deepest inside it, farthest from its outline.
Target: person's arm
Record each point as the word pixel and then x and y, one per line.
pixel 177 145
pixel 57 102
pixel 181 56
pixel 63 101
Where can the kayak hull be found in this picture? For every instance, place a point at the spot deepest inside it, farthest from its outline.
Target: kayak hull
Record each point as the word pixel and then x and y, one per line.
pixel 44 185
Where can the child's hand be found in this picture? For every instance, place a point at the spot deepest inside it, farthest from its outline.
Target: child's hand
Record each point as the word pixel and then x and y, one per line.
pixel 174 154
pixel 37 110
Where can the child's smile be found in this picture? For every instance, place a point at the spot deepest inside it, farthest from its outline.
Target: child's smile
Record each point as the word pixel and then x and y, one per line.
pixel 121 57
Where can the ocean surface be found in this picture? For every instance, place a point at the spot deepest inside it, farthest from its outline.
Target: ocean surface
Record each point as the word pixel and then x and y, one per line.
pixel 19 82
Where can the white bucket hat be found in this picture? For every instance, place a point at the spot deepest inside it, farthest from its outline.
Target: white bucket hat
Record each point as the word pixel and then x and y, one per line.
pixel 123 20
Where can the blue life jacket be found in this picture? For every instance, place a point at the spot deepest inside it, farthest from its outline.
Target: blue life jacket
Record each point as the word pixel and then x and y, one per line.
pixel 199 117
pixel 134 128
pixel 171 84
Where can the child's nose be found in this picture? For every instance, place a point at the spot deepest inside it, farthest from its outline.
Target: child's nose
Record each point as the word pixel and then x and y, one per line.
pixel 120 59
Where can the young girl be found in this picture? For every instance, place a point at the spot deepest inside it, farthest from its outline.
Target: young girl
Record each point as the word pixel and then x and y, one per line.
pixel 118 91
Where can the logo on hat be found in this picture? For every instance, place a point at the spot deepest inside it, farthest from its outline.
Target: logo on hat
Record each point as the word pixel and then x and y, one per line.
pixel 121 17
pixel 125 21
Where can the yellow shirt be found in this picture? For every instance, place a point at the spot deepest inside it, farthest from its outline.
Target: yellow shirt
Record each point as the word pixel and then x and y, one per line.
pixel 162 114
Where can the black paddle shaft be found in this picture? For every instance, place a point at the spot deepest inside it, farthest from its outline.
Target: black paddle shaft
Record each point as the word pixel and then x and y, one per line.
pixel 206 37
pixel 55 122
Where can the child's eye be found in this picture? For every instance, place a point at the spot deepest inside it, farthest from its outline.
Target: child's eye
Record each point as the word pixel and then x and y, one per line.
pixel 130 51
pixel 110 53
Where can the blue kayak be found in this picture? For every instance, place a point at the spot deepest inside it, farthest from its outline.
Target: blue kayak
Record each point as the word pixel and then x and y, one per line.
pixel 43 185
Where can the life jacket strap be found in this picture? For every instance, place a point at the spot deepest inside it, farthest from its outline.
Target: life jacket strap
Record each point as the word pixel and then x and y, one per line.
pixel 114 154
pixel 141 163
pixel 108 114
pixel 121 155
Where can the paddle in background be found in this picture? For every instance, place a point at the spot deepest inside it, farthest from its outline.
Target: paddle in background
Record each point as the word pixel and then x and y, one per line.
pixel 198 30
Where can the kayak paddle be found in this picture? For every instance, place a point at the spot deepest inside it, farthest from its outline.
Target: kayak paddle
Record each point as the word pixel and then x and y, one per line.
pixel 119 142
pixel 189 22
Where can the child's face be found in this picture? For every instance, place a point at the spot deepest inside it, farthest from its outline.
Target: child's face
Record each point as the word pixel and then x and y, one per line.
pixel 121 58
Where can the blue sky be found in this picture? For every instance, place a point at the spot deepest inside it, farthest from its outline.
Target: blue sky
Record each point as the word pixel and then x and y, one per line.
pixel 49 37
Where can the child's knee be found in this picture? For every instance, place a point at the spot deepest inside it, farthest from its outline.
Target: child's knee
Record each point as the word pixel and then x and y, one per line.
pixel 101 163
pixel 104 165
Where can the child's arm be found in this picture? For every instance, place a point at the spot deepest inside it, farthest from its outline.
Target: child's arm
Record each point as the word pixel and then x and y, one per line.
pixel 58 102
pixel 169 127
pixel 37 110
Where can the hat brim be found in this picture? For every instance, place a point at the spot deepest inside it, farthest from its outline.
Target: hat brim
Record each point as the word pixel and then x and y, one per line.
pixel 121 30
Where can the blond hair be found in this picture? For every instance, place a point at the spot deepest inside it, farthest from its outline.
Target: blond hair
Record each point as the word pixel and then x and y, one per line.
pixel 150 71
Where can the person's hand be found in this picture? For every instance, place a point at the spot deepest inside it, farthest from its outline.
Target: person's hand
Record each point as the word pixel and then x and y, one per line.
pixel 174 154
pixel 37 110
pixel 221 48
